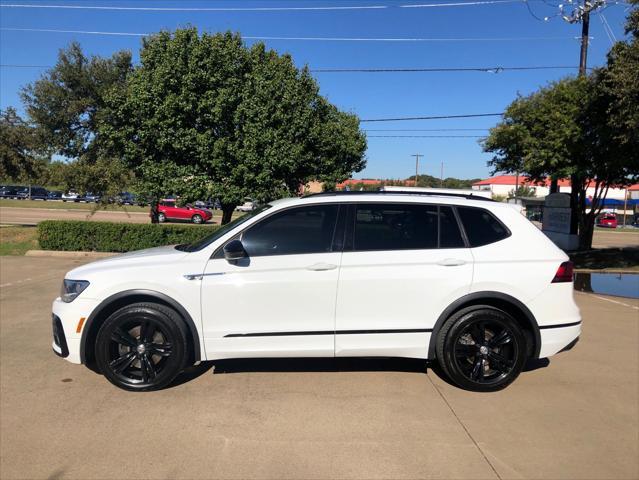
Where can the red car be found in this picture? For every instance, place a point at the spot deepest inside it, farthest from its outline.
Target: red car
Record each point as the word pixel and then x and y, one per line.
pixel 168 210
pixel 608 220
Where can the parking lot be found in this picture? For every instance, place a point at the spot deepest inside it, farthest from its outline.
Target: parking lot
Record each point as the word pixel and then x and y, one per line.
pixel 576 416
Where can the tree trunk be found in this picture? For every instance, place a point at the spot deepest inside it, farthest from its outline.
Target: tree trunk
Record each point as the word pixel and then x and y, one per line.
pixel 576 212
pixel 154 211
pixel 586 230
pixel 227 213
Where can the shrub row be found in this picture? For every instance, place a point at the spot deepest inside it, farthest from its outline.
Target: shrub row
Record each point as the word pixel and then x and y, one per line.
pixel 114 237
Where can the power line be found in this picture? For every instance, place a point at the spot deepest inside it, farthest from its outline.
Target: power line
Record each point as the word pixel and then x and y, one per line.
pixel 313 39
pixel 425 136
pixel 196 9
pixel 427 130
pixel 437 117
pixel 439 69
pixel 259 9
pixel 377 70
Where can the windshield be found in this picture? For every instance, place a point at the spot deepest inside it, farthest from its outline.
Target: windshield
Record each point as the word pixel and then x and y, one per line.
pixel 223 230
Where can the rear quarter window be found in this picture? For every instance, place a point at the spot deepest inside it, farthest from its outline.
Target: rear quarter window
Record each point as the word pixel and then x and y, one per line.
pixel 481 226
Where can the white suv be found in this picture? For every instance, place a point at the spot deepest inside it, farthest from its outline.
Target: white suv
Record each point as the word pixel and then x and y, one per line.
pixel 470 283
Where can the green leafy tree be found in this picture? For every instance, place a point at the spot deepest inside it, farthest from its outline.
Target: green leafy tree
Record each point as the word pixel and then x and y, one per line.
pixel 205 116
pixel 20 158
pixel 67 101
pixel 522 191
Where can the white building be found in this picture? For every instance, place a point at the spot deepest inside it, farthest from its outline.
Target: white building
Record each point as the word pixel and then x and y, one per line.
pixel 504 184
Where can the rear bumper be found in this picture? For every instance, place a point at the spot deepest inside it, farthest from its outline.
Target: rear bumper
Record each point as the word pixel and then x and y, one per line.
pixel 555 339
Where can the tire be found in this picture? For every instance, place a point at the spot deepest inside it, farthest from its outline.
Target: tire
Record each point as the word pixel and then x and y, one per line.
pixel 481 349
pixel 142 347
pixel 161 218
pixel 197 218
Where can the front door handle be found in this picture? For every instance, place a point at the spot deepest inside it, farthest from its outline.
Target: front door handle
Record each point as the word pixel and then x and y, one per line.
pixel 320 267
pixel 451 262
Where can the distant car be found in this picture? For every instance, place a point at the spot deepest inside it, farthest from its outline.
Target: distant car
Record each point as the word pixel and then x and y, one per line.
pixel 90 197
pixel 607 220
pixel 70 196
pixel 247 206
pixel 9 191
pixel 37 193
pixel 125 198
pixel 54 195
pixel 168 210
pixel 208 204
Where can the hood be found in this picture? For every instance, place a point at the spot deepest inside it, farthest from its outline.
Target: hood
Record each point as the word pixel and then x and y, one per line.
pixel 149 256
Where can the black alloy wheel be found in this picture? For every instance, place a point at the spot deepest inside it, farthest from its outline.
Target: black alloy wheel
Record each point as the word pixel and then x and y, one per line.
pixel 481 349
pixel 142 347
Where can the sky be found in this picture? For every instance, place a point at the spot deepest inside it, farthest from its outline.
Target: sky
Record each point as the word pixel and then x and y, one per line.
pixel 503 33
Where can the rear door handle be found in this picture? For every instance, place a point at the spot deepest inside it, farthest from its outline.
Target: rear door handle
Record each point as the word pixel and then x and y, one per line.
pixel 451 262
pixel 320 267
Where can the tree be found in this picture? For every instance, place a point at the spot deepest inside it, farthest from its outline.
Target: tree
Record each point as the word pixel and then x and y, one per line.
pixel 562 131
pixel 205 116
pixel 522 191
pixel 19 157
pixel 67 101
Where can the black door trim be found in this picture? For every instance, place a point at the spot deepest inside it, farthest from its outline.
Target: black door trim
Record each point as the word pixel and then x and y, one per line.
pixel 324 332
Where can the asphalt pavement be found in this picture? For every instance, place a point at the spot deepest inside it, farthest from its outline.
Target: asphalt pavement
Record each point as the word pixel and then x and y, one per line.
pixel 576 416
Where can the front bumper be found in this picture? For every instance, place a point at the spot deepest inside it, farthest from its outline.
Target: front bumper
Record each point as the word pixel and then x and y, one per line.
pixel 68 326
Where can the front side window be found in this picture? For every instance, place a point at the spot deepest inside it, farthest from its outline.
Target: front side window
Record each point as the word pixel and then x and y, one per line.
pixel 481 226
pixel 295 231
pixel 395 227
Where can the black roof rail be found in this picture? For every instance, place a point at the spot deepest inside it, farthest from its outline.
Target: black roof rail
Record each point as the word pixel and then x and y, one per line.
pixel 468 196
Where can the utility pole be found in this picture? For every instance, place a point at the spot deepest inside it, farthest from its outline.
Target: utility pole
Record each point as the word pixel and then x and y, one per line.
pixel 417 155
pixel 441 176
pixel 585 27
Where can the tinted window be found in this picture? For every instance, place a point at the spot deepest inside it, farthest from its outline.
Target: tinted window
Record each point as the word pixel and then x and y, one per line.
pixel 449 236
pixel 295 231
pixel 481 226
pixel 395 227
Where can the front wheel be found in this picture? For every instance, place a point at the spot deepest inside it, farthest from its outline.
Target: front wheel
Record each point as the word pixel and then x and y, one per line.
pixel 196 218
pixel 141 347
pixel 481 348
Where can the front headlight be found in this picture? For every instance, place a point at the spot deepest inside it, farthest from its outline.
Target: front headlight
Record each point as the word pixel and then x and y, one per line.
pixel 71 289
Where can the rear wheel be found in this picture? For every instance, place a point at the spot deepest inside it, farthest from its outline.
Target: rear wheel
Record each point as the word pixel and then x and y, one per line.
pixel 161 218
pixel 481 349
pixel 196 218
pixel 142 346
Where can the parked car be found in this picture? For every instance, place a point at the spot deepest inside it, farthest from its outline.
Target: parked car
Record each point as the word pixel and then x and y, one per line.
pixel 169 211
pixel 125 198
pixel 37 193
pixel 208 204
pixel 71 196
pixel 9 191
pixel 607 220
pixel 90 197
pixel 54 195
pixel 247 206
pixel 469 283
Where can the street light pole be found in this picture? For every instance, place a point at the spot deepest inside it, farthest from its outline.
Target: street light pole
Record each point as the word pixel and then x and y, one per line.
pixel 417 155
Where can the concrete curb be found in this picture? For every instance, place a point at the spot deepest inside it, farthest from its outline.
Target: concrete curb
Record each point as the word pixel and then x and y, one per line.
pixel 66 254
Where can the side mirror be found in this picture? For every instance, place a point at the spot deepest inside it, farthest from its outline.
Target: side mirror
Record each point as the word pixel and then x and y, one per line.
pixel 234 250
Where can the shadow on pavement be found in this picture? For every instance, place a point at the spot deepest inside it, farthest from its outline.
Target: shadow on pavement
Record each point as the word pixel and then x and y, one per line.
pixel 320 365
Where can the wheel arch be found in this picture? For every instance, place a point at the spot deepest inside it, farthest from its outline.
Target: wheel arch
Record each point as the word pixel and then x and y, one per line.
pixel 498 300
pixel 122 299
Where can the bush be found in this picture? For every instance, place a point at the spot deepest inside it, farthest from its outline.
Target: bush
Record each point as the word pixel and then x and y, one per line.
pixel 114 237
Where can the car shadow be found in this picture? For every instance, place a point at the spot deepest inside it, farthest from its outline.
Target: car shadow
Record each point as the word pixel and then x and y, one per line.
pixel 311 365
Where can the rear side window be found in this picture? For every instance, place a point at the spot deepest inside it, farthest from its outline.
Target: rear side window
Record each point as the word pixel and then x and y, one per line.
pixel 449 234
pixel 481 226
pixel 293 232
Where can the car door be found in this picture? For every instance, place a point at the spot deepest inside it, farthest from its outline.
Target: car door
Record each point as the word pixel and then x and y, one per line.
pixel 402 265
pixel 280 299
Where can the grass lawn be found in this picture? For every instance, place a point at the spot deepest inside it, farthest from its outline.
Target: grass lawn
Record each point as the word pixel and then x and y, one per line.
pixel 58 204
pixel 17 240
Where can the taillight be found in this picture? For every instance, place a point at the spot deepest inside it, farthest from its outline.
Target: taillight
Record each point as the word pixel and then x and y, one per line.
pixel 564 273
